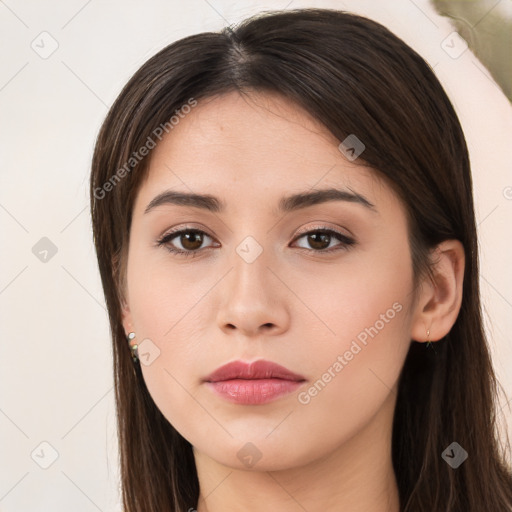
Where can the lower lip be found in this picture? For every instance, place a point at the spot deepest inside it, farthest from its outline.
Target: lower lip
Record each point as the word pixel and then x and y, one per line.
pixel 254 391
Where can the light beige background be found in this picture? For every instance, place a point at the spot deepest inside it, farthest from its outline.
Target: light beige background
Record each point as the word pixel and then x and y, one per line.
pixel 56 382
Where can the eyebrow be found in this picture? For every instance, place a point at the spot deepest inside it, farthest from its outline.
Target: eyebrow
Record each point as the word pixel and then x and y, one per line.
pixel 286 204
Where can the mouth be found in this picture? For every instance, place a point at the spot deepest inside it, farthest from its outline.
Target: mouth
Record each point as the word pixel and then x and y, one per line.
pixel 253 383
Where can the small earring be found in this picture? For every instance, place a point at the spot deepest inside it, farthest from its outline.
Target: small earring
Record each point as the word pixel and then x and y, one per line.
pixel 133 348
pixel 428 337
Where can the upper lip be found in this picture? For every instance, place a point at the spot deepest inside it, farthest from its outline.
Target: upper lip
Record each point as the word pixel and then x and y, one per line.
pixel 260 369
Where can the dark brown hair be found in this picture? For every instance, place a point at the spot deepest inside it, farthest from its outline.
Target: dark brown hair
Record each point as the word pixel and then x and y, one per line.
pixel 355 77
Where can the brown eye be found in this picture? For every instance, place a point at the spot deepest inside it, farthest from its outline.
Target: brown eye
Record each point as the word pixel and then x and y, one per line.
pixel 319 240
pixel 186 242
pixel 191 240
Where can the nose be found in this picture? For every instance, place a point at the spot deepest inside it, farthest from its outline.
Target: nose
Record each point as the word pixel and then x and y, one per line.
pixel 253 300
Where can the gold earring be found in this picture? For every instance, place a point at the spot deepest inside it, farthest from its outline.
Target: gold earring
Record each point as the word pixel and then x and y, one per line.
pixel 428 337
pixel 133 348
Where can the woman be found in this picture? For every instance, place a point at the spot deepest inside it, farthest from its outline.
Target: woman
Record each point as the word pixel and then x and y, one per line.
pixel 284 225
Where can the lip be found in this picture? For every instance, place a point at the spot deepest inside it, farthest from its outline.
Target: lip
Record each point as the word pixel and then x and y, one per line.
pixel 253 383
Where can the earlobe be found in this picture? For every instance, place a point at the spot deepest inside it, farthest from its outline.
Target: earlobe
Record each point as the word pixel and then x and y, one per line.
pixel 440 297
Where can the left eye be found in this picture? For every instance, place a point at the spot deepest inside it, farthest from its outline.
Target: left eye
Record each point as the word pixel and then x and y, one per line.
pixel 317 238
pixel 191 241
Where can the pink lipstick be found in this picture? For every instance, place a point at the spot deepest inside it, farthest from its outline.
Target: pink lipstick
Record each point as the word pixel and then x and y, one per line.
pixel 253 383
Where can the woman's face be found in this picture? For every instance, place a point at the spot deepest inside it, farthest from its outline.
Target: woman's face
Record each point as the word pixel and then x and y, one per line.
pixel 336 310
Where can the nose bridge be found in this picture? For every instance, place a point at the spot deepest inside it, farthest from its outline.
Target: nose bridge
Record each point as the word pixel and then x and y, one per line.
pixel 251 298
pixel 250 273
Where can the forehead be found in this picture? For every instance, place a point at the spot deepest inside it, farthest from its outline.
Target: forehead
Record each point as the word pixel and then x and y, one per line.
pixel 258 146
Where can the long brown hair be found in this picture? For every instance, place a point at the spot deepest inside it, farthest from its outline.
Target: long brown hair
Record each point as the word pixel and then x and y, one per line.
pixel 356 77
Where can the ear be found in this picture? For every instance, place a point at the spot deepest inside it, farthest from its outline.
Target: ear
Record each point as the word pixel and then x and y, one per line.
pixel 440 295
pixel 126 318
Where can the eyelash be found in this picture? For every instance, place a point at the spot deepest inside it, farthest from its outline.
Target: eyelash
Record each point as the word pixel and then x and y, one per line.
pixel 346 242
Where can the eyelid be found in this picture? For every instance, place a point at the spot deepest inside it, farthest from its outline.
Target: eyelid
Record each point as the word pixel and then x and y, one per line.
pixel 325 227
pixel 185 227
pixel 301 232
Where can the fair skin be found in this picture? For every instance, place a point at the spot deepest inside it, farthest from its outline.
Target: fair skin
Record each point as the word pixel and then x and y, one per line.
pixel 329 450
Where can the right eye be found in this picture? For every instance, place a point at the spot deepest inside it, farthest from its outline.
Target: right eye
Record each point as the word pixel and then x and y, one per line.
pixel 190 240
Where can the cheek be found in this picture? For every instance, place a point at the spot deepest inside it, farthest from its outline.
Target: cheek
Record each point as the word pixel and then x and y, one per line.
pixel 358 364
pixel 365 295
pixel 164 297
pixel 168 309
pixel 354 380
